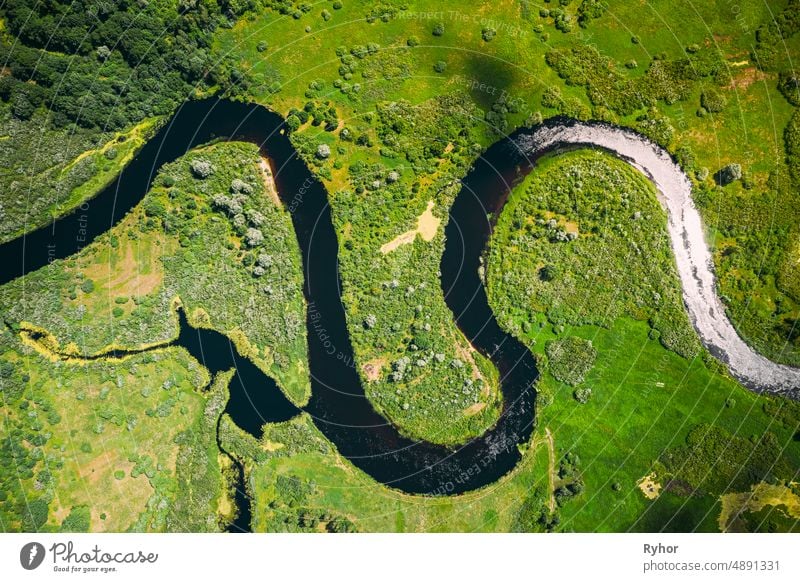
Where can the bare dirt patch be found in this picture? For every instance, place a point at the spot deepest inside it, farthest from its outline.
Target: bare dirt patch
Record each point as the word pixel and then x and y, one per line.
pixel 427 225
pixel 269 180
pixel 372 369
pixel 649 486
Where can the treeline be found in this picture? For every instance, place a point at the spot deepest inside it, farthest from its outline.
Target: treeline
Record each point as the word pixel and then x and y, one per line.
pixel 110 64
pixel 770 51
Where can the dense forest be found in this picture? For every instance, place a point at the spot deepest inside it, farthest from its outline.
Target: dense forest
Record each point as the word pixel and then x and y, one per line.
pixel 104 64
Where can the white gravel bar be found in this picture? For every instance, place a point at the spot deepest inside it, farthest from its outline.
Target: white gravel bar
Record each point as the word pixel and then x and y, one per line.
pixel 692 255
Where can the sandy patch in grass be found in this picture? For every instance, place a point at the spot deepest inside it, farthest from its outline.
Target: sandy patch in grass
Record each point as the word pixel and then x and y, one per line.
pixel 59 514
pixel 474 409
pixel 272 446
pixel 567 225
pixel 759 496
pixel 744 77
pixel 649 486
pixel 427 225
pixel 121 500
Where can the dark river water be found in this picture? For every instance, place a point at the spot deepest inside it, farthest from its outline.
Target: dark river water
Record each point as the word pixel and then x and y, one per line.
pixel 338 405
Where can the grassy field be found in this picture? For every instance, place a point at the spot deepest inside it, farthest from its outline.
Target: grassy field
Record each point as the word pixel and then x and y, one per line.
pixel 644 402
pixel 95 447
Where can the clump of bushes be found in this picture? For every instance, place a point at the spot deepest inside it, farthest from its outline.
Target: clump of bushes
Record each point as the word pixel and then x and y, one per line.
pixel 728 174
pixel 201 168
pixel 712 101
pixel 590 10
pixel 570 359
pixel 582 394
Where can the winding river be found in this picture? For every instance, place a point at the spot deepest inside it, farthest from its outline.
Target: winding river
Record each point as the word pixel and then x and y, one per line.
pixel 338 404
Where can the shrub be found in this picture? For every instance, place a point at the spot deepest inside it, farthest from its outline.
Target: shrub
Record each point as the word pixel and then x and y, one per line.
pixel 712 101
pixel 552 97
pixel 728 174
pixel 438 29
pixel 78 520
pixel 440 66
pixel 789 86
pixel 87 286
pixel 488 33
pixel 548 273
pixel 103 52
pixel 254 237
pixel 570 359
pixel 201 168
pixel 590 10
pixel 34 515
pixel 323 151
pixel 582 395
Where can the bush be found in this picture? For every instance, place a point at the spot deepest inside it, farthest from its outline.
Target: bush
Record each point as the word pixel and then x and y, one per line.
pixel 789 86
pixel 34 515
pixel 438 29
pixel 440 66
pixel 323 151
pixel 582 395
pixel 590 10
pixel 728 174
pixel 78 520
pixel 548 273
pixel 201 168
pixel 712 101
pixel 570 359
